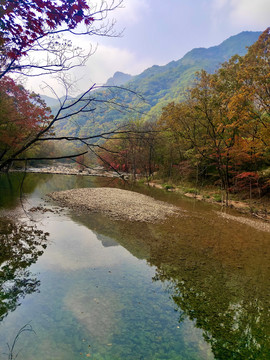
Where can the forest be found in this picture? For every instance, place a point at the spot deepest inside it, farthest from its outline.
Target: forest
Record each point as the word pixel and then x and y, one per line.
pixel 216 131
pixel 219 133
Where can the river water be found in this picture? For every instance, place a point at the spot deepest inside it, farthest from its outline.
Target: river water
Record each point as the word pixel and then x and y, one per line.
pixel 83 286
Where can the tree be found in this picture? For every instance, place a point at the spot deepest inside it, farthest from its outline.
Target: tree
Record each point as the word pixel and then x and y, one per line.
pixel 179 134
pixel 85 104
pixel 254 96
pixel 21 246
pixel 34 26
pixel 132 150
pixel 224 123
pixel 23 115
pixel 246 97
pixel 198 127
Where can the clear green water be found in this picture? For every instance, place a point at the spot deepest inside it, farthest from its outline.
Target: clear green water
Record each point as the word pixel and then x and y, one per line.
pixel 194 287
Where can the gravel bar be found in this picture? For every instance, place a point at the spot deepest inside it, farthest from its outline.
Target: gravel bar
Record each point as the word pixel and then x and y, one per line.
pixel 116 203
pixel 256 224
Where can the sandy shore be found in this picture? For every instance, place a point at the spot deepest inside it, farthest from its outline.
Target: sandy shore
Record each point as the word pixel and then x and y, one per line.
pixel 117 203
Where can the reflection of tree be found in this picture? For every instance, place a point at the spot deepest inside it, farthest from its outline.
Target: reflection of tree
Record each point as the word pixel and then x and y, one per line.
pixel 232 309
pixel 16 184
pixel 21 245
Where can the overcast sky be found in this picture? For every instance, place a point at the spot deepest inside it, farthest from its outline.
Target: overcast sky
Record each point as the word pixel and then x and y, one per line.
pixel 158 31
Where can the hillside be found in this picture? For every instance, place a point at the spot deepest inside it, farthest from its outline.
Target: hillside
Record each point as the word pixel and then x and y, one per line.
pixel 157 85
pixel 162 84
pixel 118 79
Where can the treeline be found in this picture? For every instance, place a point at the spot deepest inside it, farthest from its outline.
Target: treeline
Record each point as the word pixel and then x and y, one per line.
pixel 219 134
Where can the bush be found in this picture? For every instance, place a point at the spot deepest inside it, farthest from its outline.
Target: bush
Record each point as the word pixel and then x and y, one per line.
pixel 217 197
pixel 192 191
pixel 167 186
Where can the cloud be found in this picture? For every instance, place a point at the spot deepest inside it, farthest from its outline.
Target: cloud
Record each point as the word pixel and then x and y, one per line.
pixel 108 59
pixel 131 12
pixel 219 4
pixel 98 69
pixel 250 14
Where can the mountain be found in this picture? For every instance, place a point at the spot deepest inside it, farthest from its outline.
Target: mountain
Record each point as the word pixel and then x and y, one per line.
pixel 158 85
pixel 162 84
pixel 118 79
pixel 51 102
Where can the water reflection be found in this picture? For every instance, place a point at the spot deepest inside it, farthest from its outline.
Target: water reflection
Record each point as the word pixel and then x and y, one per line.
pixel 225 292
pixel 11 188
pixel 15 185
pixel 21 245
pixel 211 282
pixel 106 241
pixel 218 276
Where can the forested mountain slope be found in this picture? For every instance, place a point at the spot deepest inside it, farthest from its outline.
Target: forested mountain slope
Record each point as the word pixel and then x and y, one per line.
pixel 162 84
pixel 158 86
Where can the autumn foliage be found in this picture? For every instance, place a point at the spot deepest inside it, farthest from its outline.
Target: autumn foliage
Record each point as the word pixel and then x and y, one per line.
pixel 22 115
pixel 132 151
pixel 34 42
pixel 223 127
pixel 220 133
pixel 24 22
pixel 27 26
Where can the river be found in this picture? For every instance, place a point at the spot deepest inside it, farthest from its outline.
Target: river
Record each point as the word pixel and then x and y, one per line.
pixel 84 286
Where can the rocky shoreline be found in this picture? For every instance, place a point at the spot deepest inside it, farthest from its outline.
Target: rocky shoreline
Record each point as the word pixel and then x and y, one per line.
pixel 116 203
pixel 70 170
pixel 100 171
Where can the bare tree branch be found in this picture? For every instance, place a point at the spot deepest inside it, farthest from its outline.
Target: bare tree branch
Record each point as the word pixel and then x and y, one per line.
pixel 58 54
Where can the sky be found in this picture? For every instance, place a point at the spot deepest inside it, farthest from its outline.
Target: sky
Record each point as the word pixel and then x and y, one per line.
pixel 156 32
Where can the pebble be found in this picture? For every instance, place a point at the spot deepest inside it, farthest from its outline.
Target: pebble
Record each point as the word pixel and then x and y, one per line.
pixel 116 203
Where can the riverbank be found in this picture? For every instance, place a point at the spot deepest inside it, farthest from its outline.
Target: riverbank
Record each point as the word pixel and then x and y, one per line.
pixel 126 205
pixel 116 203
pixel 258 208
pixel 70 170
